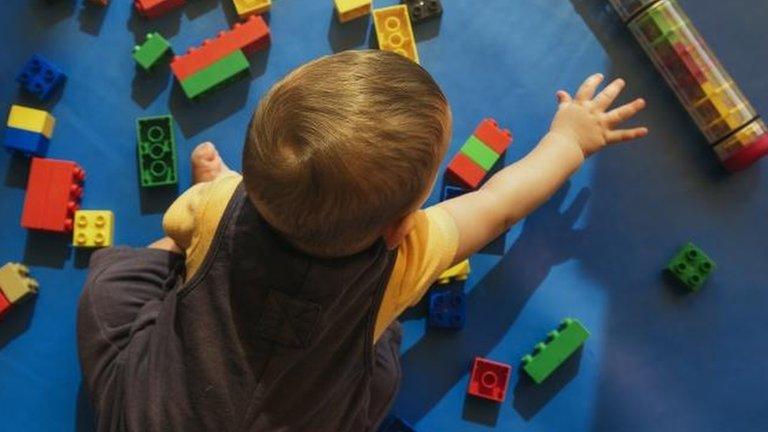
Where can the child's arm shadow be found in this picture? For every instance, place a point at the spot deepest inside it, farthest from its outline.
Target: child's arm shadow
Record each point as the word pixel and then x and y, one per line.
pixel 434 364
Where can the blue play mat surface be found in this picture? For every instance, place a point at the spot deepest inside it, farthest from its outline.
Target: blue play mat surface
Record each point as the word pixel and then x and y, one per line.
pixel 658 359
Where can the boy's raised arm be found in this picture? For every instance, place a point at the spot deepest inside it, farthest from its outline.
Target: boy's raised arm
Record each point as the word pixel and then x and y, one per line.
pixel 583 125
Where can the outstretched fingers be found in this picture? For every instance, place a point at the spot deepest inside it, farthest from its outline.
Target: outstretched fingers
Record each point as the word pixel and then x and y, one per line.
pixel 588 89
pixel 609 94
pixel 624 112
pixel 621 135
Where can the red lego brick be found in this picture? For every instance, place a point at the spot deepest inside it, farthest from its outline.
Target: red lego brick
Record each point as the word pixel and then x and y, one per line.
pixel 54 190
pixel 465 171
pixel 5 305
pixel 489 132
pixel 489 379
pixel 154 8
pixel 249 36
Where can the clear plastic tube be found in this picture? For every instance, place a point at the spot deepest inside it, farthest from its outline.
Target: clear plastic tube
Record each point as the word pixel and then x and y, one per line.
pixel 704 87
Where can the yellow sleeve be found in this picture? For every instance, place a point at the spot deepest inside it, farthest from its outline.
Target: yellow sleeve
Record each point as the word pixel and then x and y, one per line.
pixel 426 252
pixel 192 219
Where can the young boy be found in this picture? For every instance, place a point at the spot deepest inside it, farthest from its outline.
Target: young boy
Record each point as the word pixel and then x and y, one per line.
pixel 285 318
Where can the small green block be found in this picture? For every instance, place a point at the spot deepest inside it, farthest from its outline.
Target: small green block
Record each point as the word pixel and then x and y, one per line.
pixel 480 153
pixel 691 266
pixel 218 74
pixel 151 51
pixel 559 345
pixel 157 151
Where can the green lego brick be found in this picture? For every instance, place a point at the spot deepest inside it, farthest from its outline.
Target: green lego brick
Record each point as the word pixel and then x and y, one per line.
pixel 157 151
pixel 151 51
pixel 559 345
pixel 691 266
pixel 480 153
pixel 223 71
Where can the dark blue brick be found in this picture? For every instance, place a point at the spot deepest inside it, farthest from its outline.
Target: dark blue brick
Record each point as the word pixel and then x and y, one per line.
pixel 447 309
pixel 452 192
pixel 26 142
pixel 40 77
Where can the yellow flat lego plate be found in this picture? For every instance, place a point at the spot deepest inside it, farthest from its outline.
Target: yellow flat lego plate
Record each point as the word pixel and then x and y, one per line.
pixel 15 282
pixel 348 10
pixel 246 8
pixel 394 31
pixel 33 120
pixel 93 228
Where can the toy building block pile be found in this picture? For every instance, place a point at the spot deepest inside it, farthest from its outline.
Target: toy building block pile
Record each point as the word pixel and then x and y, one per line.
pixel 156 151
pixel 41 77
pixel 16 286
pixel 29 131
pixel 222 59
pixel 691 266
pixel 149 53
pixel 247 8
pixel 479 153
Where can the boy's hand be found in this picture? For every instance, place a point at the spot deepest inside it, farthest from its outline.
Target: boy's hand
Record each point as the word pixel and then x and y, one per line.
pixel 586 121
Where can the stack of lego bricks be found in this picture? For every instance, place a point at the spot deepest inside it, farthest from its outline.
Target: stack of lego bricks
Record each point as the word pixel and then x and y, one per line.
pixel 731 125
pixel 222 59
pixel 29 131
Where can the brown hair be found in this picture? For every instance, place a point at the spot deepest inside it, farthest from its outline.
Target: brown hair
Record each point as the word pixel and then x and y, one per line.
pixel 343 146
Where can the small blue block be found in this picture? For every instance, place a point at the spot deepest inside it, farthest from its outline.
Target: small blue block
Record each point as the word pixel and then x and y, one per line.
pixel 395 424
pixel 447 309
pixel 452 192
pixel 26 142
pixel 40 77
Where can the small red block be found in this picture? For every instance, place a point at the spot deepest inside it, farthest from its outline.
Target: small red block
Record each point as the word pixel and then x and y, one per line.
pixel 5 305
pixel 489 132
pixel 489 379
pixel 465 171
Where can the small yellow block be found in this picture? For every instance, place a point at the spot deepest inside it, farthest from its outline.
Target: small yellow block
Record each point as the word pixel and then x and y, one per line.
pixel 93 228
pixel 15 282
pixel 458 272
pixel 33 120
pixel 394 31
pixel 348 10
pixel 246 8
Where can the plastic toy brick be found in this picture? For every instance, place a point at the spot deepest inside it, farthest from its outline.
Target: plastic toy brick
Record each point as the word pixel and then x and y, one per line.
pixel 450 192
pixel 447 309
pixel 41 77
pixel 395 424
pixel 16 284
pixel 154 8
pixel 223 71
pixel 93 228
pixel 489 132
pixel 33 120
pixel 246 8
pixel 559 345
pixel 5 305
pixel 394 31
pixel 249 36
pixel 26 142
pixel 423 10
pixel 489 379
pixel 465 171
pixel 54 190
pixel 458 272
pixel 347 10
pixel 100 2
pixel 154 48
pixel 157 151
pixel 480 153
pixel 691 266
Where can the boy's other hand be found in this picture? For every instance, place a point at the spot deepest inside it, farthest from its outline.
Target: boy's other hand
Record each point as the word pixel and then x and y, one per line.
pixel 166 244
pixel 585 119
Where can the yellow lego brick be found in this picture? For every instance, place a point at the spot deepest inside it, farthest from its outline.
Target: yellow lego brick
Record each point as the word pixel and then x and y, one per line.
pixel 246 8
pixel 93 228
pixel 348 10
pixel 15 282
pixel 458 272
pixel 33 120
pixel 394 31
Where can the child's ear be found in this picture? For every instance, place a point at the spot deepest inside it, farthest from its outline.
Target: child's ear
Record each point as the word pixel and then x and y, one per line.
pixel 395 233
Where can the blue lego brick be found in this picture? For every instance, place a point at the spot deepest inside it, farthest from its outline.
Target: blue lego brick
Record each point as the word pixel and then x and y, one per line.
pixel 447 309
pixel 40 77
pixel 452 192
pixel 395 424
pixel 26 142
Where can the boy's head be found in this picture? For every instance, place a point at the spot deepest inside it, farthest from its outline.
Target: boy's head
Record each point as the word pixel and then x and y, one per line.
pixel 344 149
